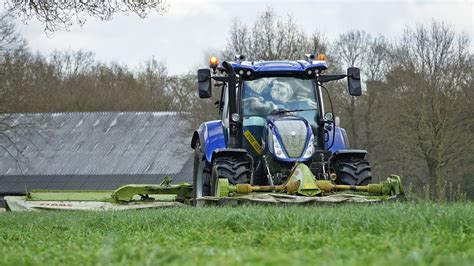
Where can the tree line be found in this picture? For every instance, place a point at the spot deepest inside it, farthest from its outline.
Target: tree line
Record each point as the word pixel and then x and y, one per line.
pixel 415 116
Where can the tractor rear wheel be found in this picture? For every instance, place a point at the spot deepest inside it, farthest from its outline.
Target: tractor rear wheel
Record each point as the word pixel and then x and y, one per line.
pixel 355 172
pixel 201 173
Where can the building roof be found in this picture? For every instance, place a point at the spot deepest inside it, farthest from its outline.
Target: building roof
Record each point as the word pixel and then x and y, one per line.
pixel 112 147
pixel 21 184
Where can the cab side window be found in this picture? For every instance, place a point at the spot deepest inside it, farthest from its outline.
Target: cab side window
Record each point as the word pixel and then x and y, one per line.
pixel 225 109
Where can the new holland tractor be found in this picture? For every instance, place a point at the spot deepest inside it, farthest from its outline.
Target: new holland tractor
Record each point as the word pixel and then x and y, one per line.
pixel 274 134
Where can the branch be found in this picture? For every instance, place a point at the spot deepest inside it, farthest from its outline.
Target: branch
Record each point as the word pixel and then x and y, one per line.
pixel 59 15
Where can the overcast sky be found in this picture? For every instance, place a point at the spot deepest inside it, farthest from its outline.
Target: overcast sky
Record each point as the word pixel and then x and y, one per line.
pixel 182 35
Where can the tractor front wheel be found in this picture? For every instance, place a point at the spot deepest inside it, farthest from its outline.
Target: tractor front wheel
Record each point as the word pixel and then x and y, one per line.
pixel 232 169
pixel 214 183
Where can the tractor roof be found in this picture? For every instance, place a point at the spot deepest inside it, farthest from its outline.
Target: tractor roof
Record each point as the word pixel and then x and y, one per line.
pixel 278 68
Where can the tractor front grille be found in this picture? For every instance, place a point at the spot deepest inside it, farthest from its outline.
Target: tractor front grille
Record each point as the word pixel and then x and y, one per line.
pixel 293 134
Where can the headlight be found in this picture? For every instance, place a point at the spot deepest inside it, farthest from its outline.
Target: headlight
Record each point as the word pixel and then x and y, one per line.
pixel 310 149
pixel 277 150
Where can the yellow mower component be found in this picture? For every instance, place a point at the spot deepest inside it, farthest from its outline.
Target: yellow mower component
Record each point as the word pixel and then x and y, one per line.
pixel 392 186
pixel 303 183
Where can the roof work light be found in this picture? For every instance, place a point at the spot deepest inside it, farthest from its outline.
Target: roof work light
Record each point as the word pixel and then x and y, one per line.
pixel 213 62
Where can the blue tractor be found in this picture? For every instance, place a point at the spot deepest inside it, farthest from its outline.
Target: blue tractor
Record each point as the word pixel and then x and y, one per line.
pixel 272 117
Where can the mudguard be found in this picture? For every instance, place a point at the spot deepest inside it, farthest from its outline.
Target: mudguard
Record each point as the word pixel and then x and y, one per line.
pixel 211 136
pixel 348 154
pixel 340 140
pixel 241 154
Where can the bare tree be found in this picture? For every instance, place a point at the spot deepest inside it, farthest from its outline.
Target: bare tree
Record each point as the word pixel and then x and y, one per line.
pixel 373 125
pixel 433 70
pixel 10 40
pixel 270 38
pixel 183 90
pixel 153 77
pixel 10 43
pixel 351 50
pixel 72 63
pixel 239 40
pixel 57 15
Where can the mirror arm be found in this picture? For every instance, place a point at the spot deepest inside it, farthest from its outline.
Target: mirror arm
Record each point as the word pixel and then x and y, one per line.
pixel 220 78
pixel 326 78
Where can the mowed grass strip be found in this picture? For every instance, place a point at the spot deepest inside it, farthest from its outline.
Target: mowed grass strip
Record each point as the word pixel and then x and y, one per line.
pixel 378 234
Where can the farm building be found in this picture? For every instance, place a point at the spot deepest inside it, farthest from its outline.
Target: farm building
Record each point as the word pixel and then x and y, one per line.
pixel 99 150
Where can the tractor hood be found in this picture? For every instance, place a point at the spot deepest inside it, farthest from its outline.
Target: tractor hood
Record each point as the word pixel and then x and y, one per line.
pixel 289 138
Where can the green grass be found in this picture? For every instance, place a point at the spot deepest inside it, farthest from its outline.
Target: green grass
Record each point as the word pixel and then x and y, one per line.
pixel 382 234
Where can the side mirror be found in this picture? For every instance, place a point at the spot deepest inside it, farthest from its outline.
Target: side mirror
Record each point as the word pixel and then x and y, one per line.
pixel 204 83
pixel 353 81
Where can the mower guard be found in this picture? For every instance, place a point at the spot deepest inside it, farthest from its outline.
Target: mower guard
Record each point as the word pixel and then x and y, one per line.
pixel 123 198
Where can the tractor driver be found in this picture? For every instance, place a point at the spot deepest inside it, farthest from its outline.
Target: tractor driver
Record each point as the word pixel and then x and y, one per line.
pixel 265 96
pixel 256 104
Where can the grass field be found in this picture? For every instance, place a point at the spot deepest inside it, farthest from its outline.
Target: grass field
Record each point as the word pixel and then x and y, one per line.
pixel 388 234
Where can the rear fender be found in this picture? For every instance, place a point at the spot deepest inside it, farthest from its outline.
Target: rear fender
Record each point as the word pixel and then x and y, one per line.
pixel 240 155
pixel 343 155
pixel 211 136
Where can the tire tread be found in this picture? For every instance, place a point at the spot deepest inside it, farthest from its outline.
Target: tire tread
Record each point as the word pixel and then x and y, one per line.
pixel 353 172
